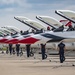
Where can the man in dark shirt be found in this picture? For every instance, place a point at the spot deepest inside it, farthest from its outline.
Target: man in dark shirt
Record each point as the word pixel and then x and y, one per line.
pixel 17 49
pixel 10 48
pixel 61 48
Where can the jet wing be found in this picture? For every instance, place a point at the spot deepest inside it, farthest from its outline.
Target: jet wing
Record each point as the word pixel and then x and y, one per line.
pixel 31 23
pixel 67 14
pixel 49 21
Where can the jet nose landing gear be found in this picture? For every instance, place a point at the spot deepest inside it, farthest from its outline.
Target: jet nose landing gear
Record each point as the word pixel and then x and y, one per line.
pixel 31 54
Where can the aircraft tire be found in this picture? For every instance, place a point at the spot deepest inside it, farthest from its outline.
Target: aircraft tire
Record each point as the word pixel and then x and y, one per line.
pixel 64 59
pixel 21 53
pixel 45 56
pixel 7 52
pixel 31 54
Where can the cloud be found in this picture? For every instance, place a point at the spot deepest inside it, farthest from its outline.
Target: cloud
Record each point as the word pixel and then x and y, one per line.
pixel 30 8
pixel 14 7
pixel 6 1
pixel 11 2
pixel 14 4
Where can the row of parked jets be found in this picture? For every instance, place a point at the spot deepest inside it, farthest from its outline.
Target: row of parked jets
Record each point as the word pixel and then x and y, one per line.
pixel 50 38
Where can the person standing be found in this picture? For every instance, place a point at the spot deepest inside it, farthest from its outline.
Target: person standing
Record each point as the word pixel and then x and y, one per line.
pixel 10 48
pixel 17 49
pixel 61 48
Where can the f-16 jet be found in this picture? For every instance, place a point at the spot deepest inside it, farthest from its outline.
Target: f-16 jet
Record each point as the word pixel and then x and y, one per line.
pixel 50 36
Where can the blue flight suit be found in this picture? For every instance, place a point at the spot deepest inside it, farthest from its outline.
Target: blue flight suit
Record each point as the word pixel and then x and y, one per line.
pixel 10 48
pixel 61 52
pixel 17 49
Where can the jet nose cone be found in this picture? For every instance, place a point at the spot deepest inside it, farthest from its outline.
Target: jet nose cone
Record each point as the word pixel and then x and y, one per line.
pixel 29 40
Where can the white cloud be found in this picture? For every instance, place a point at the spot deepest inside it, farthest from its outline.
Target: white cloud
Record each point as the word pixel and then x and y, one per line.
pixel 9 9
pixel 10 1
pixel 22 3
pixel 13 6
pixel 71 7
pixel 23 8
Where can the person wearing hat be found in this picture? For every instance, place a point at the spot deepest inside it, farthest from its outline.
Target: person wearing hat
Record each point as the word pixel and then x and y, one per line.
pixel 48 28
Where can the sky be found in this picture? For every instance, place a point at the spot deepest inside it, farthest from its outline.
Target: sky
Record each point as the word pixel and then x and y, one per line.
pixel 29 9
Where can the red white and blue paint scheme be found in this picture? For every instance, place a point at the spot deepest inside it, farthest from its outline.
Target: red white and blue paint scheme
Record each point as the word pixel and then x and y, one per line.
pixel 66 36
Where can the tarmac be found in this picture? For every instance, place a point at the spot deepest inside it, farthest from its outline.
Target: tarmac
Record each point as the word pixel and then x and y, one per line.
pixel 21 65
